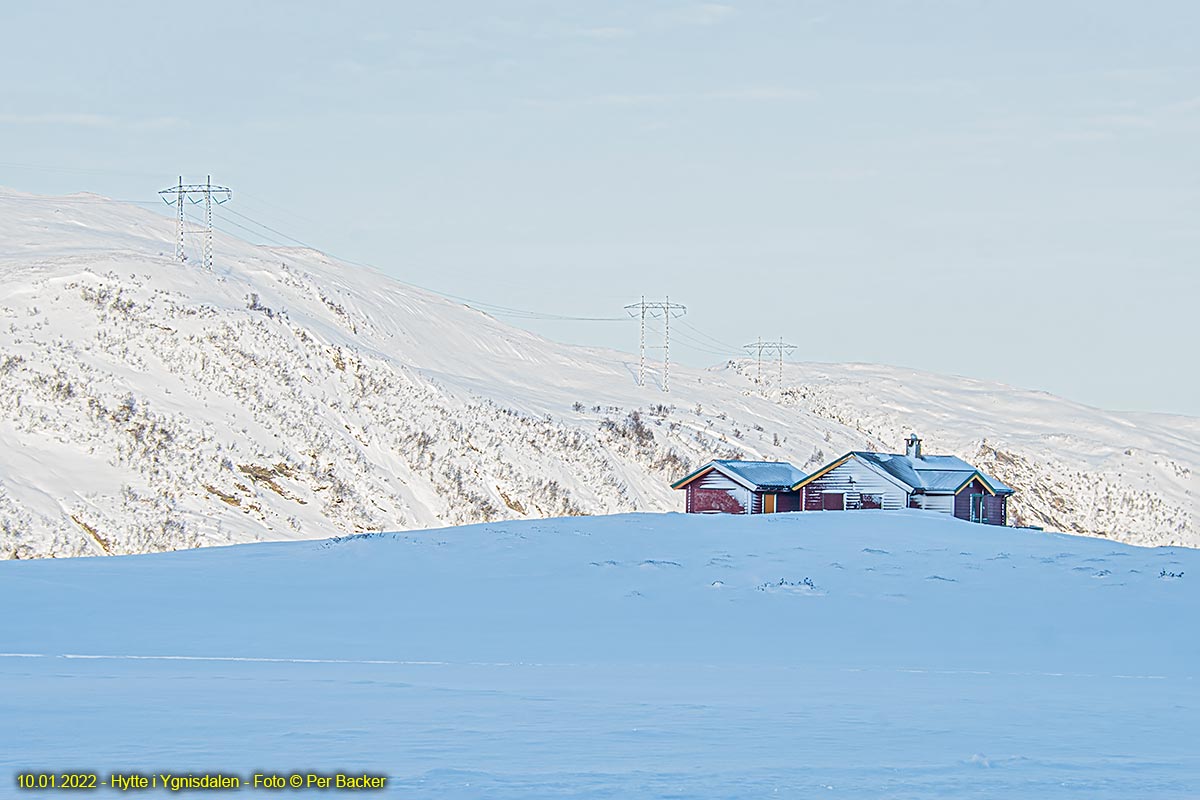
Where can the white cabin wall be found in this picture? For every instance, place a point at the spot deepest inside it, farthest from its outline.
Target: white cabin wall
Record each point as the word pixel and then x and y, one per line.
pixel 716 481
pixel 866 481
pixel 942 503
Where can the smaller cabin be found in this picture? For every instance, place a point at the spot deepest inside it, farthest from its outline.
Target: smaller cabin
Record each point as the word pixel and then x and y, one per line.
pixel 741 487
pixel 866 480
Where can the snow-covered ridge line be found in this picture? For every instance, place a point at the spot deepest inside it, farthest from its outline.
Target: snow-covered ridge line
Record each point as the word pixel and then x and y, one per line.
pixel 151 405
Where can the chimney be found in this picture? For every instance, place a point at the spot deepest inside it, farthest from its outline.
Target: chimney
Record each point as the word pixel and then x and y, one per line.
pixel 912 447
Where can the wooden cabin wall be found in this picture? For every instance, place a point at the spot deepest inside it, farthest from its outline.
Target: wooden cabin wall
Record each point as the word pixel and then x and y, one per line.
pixel 996 506
pixel 997 509
pixel 715 492
pixel 865 481
pixel 943 503
pixel 962 500
pixel 787 501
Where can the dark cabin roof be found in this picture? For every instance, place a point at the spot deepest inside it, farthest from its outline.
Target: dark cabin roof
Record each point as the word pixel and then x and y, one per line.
pixel 758 476
pixel 924 474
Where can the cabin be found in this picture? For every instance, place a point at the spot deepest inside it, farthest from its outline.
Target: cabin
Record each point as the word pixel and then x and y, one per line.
pixel 741 487
pixel 947 484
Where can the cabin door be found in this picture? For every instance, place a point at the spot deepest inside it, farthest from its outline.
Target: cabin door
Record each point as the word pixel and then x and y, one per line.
pixel 978 508
pixel 833 501
pixel 768 504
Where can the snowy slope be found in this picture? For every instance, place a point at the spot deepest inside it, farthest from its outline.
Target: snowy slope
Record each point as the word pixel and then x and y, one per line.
pixel 150 405
pixel 624 656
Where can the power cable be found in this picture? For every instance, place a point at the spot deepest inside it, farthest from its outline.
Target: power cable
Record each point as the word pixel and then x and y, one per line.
pixel 488 308
pixel 714 340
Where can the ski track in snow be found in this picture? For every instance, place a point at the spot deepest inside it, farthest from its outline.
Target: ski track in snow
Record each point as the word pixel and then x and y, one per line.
pixel 394 662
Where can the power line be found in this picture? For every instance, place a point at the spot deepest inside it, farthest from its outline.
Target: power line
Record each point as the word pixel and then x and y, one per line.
pixel 250 231
pixel 701 347
pixel 259 201
pixel 272 230
pixel 722 349
pixel 705 346
pixel 655 310
pixel 535 315
pixel 726 346
pixel 488 308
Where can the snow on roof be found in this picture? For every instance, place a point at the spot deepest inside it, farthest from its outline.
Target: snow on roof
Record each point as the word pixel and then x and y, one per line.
pixel 931 473
pixel 764 474
pixel 944 480
pixel 760 476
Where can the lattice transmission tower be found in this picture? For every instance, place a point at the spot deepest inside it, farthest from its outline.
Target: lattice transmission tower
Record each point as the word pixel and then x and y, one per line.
pixel 196 193
pixel 760 348
pixel 656 309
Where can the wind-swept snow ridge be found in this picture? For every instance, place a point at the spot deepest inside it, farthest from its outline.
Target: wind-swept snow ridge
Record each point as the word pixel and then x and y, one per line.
pixel 151 405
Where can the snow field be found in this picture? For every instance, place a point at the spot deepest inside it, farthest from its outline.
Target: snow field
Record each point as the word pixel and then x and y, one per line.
pixel 595 657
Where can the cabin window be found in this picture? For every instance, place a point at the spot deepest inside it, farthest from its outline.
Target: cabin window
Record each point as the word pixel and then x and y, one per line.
pixel 833 501
pixel 978 508
pixel 871 501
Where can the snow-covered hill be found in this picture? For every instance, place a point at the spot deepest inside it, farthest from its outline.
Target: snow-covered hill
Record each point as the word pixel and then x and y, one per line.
pixel 150 405
pixel 898 654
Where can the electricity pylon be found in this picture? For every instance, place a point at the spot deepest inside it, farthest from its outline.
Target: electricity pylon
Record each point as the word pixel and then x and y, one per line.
pixel 780 348
pixel 656 309
pixel 195 192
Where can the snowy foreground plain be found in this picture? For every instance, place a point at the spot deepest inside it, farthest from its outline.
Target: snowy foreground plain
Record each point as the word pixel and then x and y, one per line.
pixel 624 657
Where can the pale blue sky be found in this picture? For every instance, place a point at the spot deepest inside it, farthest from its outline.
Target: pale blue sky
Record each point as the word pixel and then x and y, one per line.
pixel 1002 190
